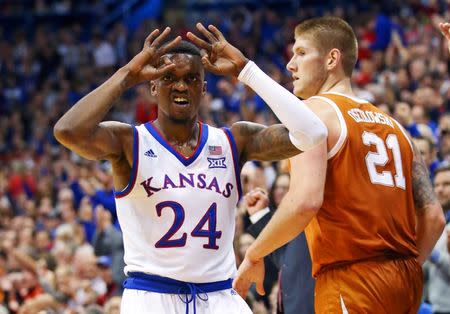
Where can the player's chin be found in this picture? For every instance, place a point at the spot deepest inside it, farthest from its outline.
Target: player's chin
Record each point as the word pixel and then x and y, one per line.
pixel 297 91
pixel 302 91
pixel 180 119
pixel 180 112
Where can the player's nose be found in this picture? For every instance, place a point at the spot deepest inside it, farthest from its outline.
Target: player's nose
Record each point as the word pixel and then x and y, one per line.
pixel 291 66
pixel 180 86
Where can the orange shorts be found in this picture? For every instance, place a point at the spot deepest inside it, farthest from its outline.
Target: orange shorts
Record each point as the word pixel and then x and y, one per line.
pixel 381 286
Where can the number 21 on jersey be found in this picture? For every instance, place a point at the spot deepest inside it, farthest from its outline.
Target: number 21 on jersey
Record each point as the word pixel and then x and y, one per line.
pixel 380 158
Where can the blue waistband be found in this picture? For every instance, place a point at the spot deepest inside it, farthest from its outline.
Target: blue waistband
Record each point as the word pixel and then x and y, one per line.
pixel 187 291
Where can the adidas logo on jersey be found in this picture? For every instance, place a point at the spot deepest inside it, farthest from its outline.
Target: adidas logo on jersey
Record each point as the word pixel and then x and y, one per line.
pixel 150 153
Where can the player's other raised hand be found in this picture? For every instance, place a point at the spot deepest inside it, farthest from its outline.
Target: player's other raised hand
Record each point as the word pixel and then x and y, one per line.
pixel 218 55
pixel 147 64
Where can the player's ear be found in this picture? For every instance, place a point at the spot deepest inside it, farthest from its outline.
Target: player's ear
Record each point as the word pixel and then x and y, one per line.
pixel 204 88
pixel 334 57
pixel 153 90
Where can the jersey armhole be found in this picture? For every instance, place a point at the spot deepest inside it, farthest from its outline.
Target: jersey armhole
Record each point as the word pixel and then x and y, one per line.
pixel 404 132
pixel 134 167
pixel 343 135
pixel 234 152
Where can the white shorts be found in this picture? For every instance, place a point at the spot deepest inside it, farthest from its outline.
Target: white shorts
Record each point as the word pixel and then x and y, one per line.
pixel 218 302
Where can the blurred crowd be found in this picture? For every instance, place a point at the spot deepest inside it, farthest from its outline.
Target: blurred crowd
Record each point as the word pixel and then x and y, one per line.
pixel 60 242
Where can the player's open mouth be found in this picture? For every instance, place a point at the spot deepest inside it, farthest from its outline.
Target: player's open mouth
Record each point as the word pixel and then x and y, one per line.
pixel 182 101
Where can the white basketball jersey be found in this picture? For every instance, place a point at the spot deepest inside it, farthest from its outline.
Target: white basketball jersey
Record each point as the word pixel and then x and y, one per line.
pixel 177 214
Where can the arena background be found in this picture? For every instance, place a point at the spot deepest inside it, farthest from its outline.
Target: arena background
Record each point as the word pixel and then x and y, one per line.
pixel 60 243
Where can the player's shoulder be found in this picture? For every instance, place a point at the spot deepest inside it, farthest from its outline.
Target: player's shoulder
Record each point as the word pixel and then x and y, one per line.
pixel 243 132
pixel 211 128
pixel 326 110
pixel 245 128
pixel 321 105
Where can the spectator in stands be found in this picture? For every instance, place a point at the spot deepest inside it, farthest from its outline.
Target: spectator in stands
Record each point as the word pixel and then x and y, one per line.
pixel 437 267
pixel 108 241
pixel 296 284
pixel 428 151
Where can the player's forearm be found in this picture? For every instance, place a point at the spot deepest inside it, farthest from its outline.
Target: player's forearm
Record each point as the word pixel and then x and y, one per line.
pixel 84 117
pixel 305 127
pixel 430 225
pixel 288 222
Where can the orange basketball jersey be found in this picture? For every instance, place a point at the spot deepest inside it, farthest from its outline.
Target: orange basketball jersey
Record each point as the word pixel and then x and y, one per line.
pixel 368 208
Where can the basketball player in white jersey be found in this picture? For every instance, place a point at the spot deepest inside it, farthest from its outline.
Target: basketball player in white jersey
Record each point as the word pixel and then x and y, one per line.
pixel 177 179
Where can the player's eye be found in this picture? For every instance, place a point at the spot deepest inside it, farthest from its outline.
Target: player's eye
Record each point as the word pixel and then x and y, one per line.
pixel 192 78
pixel 167 78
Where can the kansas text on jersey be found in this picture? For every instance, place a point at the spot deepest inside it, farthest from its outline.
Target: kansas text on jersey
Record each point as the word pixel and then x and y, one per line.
pixel 177 213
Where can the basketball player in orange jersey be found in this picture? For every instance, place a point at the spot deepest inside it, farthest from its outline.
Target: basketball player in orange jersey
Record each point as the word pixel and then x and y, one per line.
pixel 363 197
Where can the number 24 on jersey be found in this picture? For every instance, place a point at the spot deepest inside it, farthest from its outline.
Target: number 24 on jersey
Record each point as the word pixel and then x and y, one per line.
pixel 209 219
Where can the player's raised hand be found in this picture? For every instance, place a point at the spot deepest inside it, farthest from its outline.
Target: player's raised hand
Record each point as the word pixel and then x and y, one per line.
pixel 144 67
pixel 218 55
pixel 445 30
pixel 249 272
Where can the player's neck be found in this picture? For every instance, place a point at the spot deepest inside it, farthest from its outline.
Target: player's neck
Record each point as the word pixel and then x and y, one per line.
pixel 178 134
pixel 337 85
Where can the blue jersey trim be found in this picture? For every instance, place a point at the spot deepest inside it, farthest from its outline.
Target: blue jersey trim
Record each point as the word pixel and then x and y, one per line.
pixel 187 291
pixel 203 137
pixel 134 167
pixel 237 167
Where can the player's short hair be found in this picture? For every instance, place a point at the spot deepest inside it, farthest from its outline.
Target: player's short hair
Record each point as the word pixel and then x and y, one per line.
pixel 185 47
pixel 332 32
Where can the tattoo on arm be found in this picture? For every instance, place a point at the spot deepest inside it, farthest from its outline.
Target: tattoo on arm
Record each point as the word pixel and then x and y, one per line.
pixel 266 143
pixel 422 187
pixel 247 129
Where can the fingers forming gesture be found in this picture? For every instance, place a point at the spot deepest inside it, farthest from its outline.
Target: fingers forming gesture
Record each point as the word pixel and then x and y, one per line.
pixel 218 55
pixel 143 66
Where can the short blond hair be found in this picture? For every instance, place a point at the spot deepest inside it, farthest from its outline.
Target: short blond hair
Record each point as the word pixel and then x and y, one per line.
pixel 332 32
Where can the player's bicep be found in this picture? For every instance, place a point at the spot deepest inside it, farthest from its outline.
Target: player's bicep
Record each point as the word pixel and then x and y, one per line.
pixel 308 174
pixel 258 142
pixel 422 188
pixel 106 142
